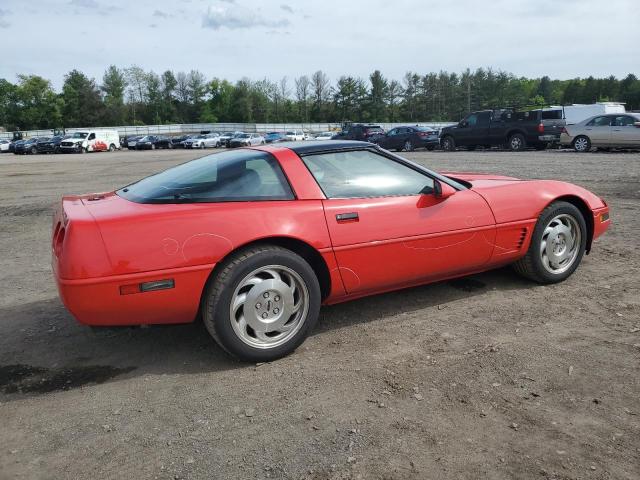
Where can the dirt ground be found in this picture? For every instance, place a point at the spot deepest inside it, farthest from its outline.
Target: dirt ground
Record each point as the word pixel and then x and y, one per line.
pixel 484 377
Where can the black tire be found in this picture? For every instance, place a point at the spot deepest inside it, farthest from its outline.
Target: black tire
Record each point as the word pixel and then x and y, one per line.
pixel 112 148
pixel 530 266
pixel 219 292
pixel 33 151
pixel 517 142
pixel 448 144
pixel 153 146
pixel 408 146
pixel 81 149
pixel 170 145
pixel 581 144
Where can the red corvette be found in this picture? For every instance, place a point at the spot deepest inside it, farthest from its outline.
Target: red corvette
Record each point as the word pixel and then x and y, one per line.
pixel 256 239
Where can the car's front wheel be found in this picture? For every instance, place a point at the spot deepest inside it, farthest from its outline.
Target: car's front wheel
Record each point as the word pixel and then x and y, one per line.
pixel 262 303
pixel 557 246
pixel 448 144
pixel 582 144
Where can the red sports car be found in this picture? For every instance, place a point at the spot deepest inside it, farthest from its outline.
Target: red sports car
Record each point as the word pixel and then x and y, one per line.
pixel 255 240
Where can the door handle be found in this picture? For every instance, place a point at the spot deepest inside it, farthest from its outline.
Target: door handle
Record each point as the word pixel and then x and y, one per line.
pixel 347 217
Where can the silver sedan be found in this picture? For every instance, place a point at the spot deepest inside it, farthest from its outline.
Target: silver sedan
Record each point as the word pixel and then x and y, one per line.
pixel 619 130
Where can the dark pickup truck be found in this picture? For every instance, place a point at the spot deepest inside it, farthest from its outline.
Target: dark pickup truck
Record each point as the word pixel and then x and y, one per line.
pixel 515 130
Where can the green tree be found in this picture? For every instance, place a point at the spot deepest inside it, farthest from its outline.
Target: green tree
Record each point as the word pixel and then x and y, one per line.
pixel 83 105
pixel 37 105
pixel 113 88
pixel 377 97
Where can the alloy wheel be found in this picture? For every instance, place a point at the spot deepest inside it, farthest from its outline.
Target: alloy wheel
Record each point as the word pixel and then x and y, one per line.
pixel 269 306
pixel 560 243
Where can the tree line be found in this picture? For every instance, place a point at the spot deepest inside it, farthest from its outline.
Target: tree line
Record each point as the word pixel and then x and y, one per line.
pixel 133 96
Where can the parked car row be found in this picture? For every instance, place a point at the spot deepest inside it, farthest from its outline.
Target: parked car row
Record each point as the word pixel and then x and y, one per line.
pixel 77 142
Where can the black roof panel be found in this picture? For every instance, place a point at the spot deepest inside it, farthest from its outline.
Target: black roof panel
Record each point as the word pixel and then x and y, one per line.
pixel 319 146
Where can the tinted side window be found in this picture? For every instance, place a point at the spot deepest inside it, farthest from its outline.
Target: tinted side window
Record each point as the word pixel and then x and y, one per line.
pixel 472 120
pixel 623 121
pixel 600 122
pixel 483 119
pixel 242 175
pixel 363 173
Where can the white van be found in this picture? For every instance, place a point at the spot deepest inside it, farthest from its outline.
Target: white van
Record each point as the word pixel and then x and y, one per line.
pixel 294 135
pixel 91 141
pixel 578 112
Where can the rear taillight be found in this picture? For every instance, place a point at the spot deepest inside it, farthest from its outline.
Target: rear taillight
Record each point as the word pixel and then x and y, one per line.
pixel 57 241
pixel 541 127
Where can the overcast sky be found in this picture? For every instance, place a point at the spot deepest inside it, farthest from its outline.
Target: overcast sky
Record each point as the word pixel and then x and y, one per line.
pixel 237 38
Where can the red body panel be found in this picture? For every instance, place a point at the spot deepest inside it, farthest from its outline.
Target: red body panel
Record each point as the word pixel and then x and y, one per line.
pixel 394 242
pixel 102 243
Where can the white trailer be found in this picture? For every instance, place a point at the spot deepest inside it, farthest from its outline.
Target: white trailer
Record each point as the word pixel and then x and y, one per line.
pixel 577 112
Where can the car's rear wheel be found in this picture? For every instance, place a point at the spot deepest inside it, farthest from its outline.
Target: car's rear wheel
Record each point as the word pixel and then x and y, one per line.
pixel 34 150
pixel 557 246
pixel 517 143
pixel 112 148
pixel 448 144
pixel 582 144
pixel 202 146
pixel 262 303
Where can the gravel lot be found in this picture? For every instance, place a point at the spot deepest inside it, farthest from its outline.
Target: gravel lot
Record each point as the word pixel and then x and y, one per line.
pixel 483 377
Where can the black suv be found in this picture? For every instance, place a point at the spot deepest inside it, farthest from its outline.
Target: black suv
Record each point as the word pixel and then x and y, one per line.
pixel 358 131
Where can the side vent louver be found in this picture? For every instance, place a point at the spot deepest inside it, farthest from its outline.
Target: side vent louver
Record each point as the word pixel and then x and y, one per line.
pixel 523 235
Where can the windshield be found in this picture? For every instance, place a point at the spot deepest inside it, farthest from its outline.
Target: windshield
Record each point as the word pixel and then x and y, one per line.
pixel 79 135
pixel 239 175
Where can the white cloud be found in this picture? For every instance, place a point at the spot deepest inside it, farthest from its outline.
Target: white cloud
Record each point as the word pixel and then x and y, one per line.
pixel 84 3
pixel 237 17
pixel 3 14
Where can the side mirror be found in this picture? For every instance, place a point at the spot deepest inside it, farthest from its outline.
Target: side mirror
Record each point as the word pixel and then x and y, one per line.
pixel 443 190
pixel 462 124
pixel 439 191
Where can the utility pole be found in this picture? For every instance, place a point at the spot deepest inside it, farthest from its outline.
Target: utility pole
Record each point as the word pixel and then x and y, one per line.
pixel 468 94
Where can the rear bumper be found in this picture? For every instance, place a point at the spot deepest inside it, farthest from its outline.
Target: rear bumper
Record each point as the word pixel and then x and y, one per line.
pixel 428 142
pixel 551 138
pixel 100 302
pixel 565 139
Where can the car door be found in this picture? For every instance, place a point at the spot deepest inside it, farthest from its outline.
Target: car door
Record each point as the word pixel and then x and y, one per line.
pixel 624 133
pixel 387 141
pixel 599 130
pixel 480 134
pixel 465 130
pixel 386 234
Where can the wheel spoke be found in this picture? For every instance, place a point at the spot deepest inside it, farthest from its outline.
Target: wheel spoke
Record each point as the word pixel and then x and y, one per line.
pixel 238 301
